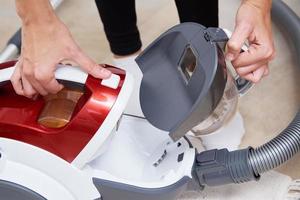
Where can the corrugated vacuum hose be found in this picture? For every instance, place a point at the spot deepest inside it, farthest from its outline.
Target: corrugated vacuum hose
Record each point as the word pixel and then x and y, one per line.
pixel 278 150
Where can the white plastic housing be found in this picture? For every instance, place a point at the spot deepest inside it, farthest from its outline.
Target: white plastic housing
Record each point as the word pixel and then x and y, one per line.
pixel 135 150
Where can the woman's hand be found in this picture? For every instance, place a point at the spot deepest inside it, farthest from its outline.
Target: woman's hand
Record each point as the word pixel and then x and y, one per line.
pixel 46 42
pixel 253 25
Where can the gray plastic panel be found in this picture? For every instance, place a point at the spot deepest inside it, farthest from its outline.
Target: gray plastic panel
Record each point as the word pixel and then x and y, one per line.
pixel 168 101
pixel 12 191
pixel 114 191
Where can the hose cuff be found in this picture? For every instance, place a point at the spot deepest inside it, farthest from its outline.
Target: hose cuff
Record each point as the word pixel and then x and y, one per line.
pixel 219 167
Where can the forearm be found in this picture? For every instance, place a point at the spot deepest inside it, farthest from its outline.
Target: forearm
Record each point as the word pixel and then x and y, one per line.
pixel 34 11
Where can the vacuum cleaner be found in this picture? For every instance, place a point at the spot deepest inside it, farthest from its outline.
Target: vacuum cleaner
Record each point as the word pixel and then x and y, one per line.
pixel 77 144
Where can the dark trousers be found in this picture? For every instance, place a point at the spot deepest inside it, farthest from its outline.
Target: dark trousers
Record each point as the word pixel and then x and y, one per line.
pixel 119 20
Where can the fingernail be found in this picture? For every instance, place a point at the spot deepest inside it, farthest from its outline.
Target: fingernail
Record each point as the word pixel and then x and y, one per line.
pixel 229 56
pixel 105 72
pixel 35 97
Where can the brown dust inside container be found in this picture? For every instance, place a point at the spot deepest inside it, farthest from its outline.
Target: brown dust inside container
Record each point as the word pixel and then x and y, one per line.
pixel 59 108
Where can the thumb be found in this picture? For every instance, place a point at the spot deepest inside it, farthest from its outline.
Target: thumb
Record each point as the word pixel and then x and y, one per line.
pixel 89 66
pixel 240 34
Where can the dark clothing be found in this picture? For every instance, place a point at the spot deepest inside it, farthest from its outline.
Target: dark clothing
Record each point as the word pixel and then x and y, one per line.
pixel 119 20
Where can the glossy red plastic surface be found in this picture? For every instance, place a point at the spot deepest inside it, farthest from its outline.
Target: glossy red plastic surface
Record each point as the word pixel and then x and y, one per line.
pixel 18 117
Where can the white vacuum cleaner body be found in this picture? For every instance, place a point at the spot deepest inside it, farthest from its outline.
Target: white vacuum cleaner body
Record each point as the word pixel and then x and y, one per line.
pixel 92 151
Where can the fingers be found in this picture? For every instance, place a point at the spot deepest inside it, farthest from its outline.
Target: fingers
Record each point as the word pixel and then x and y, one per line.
pixel 254 72
pixel 20 83
pixel 242 71
pixel 28 90
pixel 258 74
pixel 52 85
pixel 37 86
pixel 16 79
pixel 253 63
pixel 267 71
pixel 44 80
pixel 41 77
pixel 28 80
pixel 256 53
pixel 90 66
pixel 237 40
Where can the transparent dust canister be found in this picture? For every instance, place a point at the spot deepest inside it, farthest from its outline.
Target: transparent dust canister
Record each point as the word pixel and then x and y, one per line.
pixel 224 111
pixel 59 108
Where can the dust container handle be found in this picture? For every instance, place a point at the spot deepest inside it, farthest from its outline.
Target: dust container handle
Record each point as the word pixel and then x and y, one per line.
pixel 63 72
pixel 242 84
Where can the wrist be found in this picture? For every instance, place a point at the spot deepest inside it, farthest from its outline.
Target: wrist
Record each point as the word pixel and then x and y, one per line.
pixel 35 11
pixel 264 6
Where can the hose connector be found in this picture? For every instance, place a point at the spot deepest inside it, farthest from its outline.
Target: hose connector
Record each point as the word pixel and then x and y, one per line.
pixel 219 167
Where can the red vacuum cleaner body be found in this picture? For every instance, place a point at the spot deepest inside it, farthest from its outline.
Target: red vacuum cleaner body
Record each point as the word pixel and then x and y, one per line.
pixel 19 117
